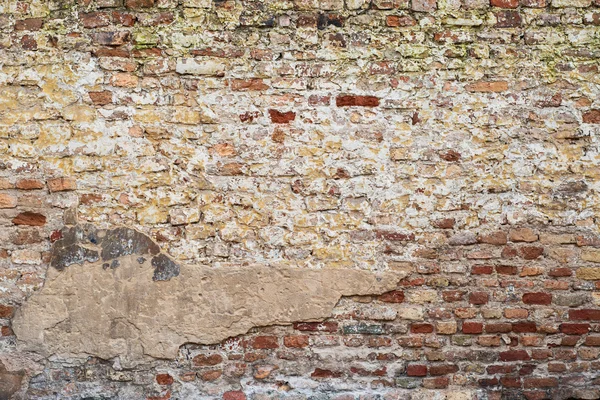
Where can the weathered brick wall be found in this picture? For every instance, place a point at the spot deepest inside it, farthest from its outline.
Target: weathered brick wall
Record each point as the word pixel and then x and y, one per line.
pixel 454 141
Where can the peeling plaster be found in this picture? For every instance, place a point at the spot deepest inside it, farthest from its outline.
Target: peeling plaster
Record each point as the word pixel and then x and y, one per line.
pixel 133 306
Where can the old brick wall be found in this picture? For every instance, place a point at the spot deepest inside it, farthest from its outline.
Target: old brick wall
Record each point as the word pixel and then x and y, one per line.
pixel 455 141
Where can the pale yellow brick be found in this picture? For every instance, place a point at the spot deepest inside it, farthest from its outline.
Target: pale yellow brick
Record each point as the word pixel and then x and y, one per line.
pixel 588 273
pixel 591 255
pixel 446 327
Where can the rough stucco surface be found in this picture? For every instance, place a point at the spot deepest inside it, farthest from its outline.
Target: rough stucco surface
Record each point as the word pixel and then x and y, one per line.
pixel 453 143
pixel 121 310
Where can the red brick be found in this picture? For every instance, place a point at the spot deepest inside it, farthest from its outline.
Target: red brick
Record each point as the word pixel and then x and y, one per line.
pixel 504 327
pixel 530 252
pixel 412 341
pixel 6 311
pixel 585 314
pixel 6 331
pixel 212 375
pixel 592 341
pixel 325 373
pixel 506 270
pixel 527 369
pixel 560 272
pixel 505 3
pixel 540 382
pixel 508 19
pixel 252 357
pixel 61 184
pixel 55 235
pixel 472 327
pixel 443 369
pixel 556 367
pixel 487 382
pixel 416 370
pixel 29 218
pixel 164 379
pixel 496 238
pixel 28 42
pixel 123 19
pixel 29 184
pixel 500 369
pixel 592 117
pixel 399 20
pixel 421 328
pixel 202 360
pixel 451 296
pixel 395 296
pixel 139 3
pixel 234 395
pixel 297 341
pixel 356 101
pixel 94 19
pixel 478 298
pixel 565 354
pixel 537 298
pixel 569 340
pixel 111 38
pixel 575 329
pixel 379 341
pixel 482 270
pixel 524 327
pixel 318 100
pixel 444 223
pixel 509 252
pixel 101 98
pixel 452 156
pixel 514 355
pixel 252 84
pixel 394 236
pixel 30 24
pixel 278 117
pixel 510 381
pixel 541 354
pixel 111 52
pixel 265 342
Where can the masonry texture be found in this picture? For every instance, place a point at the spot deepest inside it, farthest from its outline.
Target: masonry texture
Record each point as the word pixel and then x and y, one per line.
pixel 299 199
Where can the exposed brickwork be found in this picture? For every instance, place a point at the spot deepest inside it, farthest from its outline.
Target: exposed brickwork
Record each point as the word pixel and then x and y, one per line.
pixel 455 140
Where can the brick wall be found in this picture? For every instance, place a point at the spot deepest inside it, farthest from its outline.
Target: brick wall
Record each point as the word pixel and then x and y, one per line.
pixel 453 140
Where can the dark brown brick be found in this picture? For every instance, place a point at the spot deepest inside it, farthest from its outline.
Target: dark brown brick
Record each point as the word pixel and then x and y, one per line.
pixel 395 296
pixel 416 370
pixel 472 327
pixel 421 328
pixel 514 355
pixel 478 298
pixel 585 314
pixel 537 298
pixel 575 329
pixel 356 101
